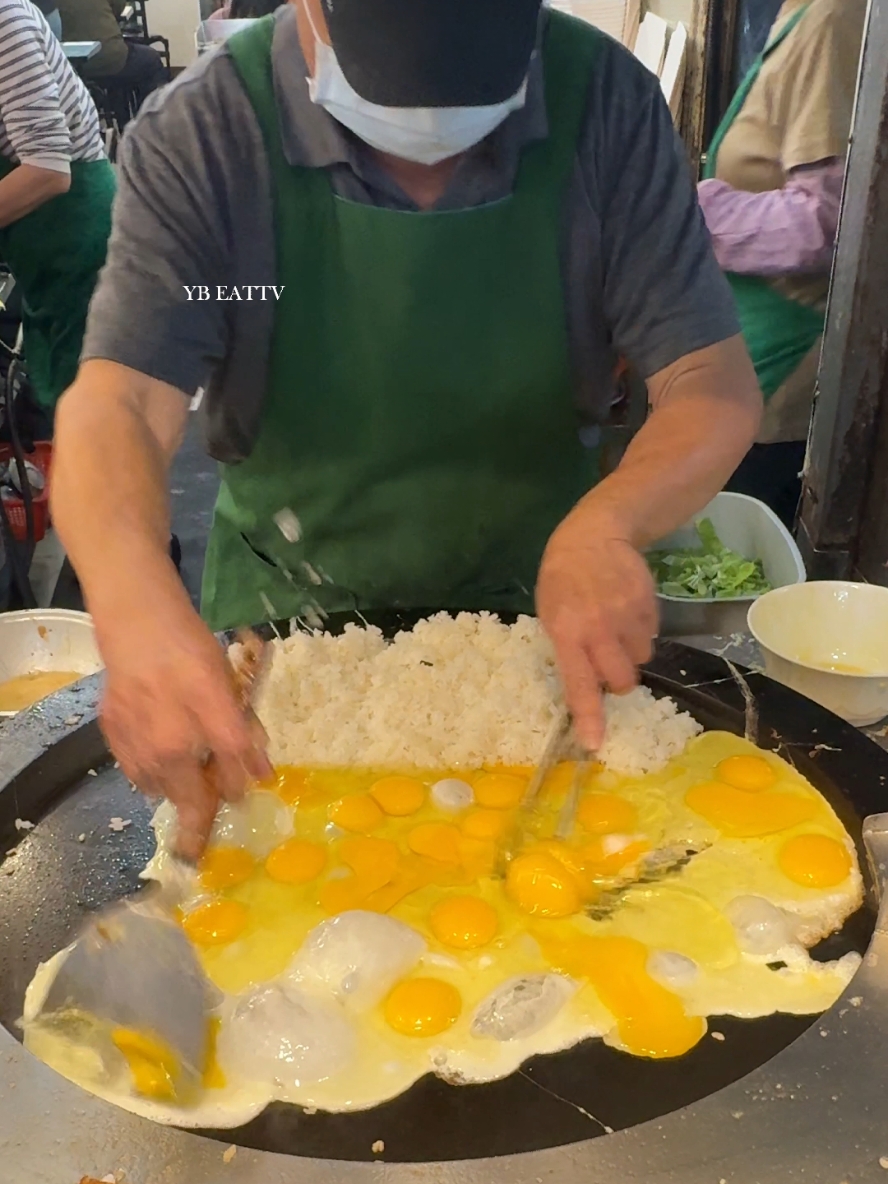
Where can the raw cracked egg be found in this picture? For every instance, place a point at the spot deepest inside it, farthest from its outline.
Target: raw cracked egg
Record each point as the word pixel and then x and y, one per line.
pixel 541 885
pixel 606 814
pixel 815 861
pixel 422 1007
pixel 296 861
pixel 399 796
pixel 365 928
pixel 463 922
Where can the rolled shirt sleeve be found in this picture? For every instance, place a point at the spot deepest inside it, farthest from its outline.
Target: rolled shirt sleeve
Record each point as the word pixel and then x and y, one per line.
pixel 782 231
pixel 30 101
pixel 159 249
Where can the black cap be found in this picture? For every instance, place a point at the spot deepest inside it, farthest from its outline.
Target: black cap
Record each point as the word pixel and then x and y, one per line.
pixel 433 53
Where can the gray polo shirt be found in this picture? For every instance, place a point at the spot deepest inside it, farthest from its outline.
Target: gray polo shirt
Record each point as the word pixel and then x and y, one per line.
pixel 194 207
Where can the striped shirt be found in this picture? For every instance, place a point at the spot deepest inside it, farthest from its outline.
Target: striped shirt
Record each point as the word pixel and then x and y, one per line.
pixel 47 117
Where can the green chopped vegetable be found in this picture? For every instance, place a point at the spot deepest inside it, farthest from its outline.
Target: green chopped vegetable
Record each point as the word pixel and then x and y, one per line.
pixel 710 571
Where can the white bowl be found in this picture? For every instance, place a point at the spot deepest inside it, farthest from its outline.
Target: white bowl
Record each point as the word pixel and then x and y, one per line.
pixel 44 639
pixel 829 641
pixel 753 530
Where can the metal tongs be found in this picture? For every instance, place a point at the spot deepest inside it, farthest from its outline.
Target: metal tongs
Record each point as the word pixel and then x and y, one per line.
pixel 557 744
pixel 132 965
pixel 656 866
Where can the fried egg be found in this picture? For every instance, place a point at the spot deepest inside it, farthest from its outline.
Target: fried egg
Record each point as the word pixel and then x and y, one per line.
pixel 363 934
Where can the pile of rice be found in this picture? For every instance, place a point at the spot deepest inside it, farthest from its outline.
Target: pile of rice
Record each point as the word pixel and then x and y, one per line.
pixel 451 693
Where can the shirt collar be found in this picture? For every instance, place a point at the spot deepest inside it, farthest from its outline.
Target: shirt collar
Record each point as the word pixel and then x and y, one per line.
pixel 312 138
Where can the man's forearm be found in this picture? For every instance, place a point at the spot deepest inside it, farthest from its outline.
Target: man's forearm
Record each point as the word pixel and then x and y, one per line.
pixel 705 418
pixel 26 188
pixel 109 490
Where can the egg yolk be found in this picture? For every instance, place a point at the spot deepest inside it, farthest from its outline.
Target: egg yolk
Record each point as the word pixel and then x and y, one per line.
pixel 568 857
pixel 463 922
pixel 224 867
pixel 746 815
pixel 292 786
pixel 153 1064
pixel 499 791
pixel 483 824
pixel 559 780
pixel 215 923
pixel 375 859
pixel 651 1021
pixel 422 1007
pixel 751 773
pixel 436 840
pixel 374 863
pixel 602 862
pixel 399 796
pixel 296 862
pixel 357 813
pixel 605 813
pixel 383 899
pixel 525 771
pixel 815 861
pixel 542 886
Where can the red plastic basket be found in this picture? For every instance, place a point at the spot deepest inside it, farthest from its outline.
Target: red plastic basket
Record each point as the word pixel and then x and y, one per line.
pixel 41 458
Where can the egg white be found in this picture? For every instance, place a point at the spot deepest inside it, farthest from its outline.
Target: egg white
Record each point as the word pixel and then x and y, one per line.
pixel 307 1027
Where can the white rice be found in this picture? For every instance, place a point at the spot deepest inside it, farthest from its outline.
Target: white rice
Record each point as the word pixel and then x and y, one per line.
pixel 452 693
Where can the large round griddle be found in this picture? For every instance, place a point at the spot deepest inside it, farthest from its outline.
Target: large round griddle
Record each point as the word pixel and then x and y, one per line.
pixel 46 759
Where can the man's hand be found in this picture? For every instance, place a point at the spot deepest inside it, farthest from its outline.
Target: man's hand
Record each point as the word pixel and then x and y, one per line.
pixel 595 598
pixel 169 712
pixel 168 708
pixel 595 595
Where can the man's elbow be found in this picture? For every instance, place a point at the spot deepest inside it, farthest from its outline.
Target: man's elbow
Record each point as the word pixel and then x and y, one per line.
pixel 734 386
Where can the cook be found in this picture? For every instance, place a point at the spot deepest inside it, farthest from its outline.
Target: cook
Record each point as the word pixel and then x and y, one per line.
pixel 469 211
pixel 56 189
pixel 771 200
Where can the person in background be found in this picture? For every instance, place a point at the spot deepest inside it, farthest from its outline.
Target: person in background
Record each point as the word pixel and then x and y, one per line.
pixel 50 10
pixel 56 190
pixel 771 198
pixel 119 63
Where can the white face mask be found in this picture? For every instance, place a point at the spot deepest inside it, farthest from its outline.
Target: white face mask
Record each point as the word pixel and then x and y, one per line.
pixel 422 134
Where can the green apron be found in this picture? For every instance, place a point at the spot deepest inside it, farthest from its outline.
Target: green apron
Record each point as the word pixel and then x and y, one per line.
pixel 55 254
pixel 778 331
pixel 419 420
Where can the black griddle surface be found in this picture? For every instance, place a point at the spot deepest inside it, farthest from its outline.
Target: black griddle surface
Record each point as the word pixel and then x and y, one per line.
pixel 553 1100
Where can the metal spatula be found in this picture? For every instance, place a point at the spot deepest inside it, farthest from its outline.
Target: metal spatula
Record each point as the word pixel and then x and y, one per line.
pixel 655 867
pixel 133 967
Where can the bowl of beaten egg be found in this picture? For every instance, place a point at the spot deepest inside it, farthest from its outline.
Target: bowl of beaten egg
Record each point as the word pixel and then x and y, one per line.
pixel 41 651
pixel 829 641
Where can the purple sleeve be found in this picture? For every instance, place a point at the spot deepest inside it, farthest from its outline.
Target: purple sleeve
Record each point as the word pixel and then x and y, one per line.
pixel 780 232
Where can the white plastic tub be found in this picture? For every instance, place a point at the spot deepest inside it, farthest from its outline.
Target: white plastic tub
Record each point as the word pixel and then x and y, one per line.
pixel 754 531
pixel 44 639
pixel 212 33
pixel 829 641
